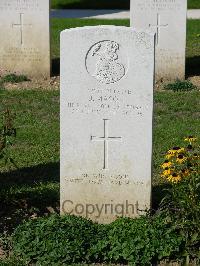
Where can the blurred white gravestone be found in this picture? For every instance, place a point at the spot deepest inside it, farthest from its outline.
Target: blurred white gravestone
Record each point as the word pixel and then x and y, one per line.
pixel 168 20
pixel 25 37
pixel 107 76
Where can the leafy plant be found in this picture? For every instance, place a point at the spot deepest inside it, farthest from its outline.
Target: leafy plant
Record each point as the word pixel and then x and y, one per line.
pixel 141 241
pixel 13 78
pixel 58 239
pixel 1 85
pixel 179 85
pixel 182 203
pixel 72 239
pixel 12 261
pixel 171 233
pixel 7 133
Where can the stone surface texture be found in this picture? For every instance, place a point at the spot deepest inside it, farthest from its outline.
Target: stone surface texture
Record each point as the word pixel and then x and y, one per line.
pixel 168 20
pixel 25 37
pixel 107 76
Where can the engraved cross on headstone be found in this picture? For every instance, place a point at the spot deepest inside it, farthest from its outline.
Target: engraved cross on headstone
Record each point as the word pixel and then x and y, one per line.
pixel 105 139
pixel 158 27
pixel 21 26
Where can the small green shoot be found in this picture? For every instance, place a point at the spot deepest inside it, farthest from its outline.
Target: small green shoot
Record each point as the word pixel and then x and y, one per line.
pixel 13 78
pixel 179 85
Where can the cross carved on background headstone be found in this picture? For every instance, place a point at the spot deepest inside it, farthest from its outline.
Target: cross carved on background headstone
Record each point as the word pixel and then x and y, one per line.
pixel 21 26
pixel 158 26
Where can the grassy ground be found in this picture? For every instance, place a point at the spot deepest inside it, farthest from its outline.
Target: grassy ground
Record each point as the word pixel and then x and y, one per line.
pixel 193 4
pixel 104 4
pixel 33 186
pixel 192 49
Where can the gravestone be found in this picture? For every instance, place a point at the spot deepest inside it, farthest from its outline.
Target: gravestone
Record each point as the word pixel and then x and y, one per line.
pixel 25 37
pixel 168 20
pixel 106 121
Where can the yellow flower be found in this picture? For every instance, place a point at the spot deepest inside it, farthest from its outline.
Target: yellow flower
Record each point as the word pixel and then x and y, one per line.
pixel 166 164
pixel 167 171
pixel 172 152
pixel 181 158
pixel 180 150
pixel 190 139
pixel 185 172
pixel 169 155
pixel 174 178
pixel 196 156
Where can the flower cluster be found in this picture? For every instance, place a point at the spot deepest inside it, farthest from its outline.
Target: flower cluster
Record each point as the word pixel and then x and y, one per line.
pixel 181 162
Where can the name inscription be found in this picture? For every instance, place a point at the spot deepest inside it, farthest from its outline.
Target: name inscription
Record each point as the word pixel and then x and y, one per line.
pixel 107 101
pixel 19 5
pixel 159 5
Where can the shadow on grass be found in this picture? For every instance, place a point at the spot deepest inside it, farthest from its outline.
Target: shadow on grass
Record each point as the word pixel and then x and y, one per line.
pixel 28 192
pixel 34 191
pixel 193 66
pixel 91 4
pixel 158 193
pixel 56 67
pixel 28 175
pixel 82 13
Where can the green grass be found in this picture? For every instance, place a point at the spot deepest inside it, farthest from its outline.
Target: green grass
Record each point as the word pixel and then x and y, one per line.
pixel 13 78
pixel 60 24
pixel 104 4
pixel 193 4
pixel 34 186
pixel 192 47
pixel 193 38
pixel 193 32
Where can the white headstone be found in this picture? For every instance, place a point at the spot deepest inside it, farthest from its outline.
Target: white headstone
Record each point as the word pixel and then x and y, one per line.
pixel 25 37
pixel 106 121
pixel 168 20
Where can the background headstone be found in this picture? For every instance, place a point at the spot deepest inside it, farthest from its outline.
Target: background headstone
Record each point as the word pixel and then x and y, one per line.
pixel 106 121
pixel 168 20
pixel 25 37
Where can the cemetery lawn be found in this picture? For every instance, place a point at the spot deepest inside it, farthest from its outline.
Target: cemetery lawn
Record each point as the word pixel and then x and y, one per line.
pixel 192 47
pixel 193 4
pixel 104 4
pixel 32 189
pixel 193 26
pixel 34 184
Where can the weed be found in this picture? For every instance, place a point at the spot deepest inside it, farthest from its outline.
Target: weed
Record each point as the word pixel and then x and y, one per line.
pixel 7 133
pixel 13 78
pixel 179 85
